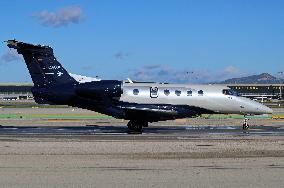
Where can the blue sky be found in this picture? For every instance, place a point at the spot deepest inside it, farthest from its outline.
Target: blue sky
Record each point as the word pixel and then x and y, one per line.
pixel 163 40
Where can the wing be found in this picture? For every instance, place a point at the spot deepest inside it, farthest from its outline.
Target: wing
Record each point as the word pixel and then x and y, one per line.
pixel 152 112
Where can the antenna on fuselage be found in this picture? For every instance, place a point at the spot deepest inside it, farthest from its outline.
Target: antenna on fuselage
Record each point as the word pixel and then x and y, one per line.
pixel 129 80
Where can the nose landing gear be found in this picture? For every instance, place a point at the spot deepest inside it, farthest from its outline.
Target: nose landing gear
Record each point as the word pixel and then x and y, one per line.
pixel 245 124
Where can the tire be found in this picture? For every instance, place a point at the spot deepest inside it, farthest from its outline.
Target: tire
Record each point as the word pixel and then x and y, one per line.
pixel 135 126
pixel 245 126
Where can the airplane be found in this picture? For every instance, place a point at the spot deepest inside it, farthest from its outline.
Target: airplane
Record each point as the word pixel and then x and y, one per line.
pixel 139 102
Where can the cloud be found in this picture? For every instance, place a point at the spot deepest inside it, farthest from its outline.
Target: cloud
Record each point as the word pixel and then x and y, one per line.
pixel 230 72
pixel 162 73
pixel 121 55
pixel 159 73
pixel 88 67
pixel 9 56
pixel 152 66
pixel 62 17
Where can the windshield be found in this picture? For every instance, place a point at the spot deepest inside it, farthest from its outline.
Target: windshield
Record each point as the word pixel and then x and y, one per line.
pixel 230 92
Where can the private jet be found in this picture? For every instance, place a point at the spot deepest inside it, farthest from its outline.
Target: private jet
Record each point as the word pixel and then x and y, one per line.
pixel 139 102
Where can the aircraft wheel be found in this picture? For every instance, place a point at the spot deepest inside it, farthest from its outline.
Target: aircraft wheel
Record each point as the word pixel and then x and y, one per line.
pixel 135 126
pixel 245 124
pixel 145 124
pixel 245 127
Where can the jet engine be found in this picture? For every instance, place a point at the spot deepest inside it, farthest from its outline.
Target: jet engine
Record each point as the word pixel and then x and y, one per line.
pixel 99 90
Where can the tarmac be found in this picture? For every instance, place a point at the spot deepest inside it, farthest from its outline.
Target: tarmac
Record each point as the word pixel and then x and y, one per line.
pixel 118 132
pixel 49 152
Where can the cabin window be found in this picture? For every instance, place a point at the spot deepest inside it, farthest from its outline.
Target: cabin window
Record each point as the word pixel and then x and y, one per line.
pixel 200 92
pixel 135 91
pixel 178 92
pixel 189 93
pixel 166 92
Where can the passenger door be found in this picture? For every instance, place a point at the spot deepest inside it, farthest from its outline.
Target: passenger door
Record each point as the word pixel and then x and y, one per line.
pixel 154 92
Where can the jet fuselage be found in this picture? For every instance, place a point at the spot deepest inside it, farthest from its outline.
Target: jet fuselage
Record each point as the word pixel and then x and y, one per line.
pixel 138 102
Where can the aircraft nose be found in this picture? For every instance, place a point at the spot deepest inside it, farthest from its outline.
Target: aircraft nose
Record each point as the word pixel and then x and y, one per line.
pixel 253 107
pixel 265 110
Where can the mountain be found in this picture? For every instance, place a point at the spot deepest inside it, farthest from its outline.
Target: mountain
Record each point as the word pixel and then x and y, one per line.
pixel 263 78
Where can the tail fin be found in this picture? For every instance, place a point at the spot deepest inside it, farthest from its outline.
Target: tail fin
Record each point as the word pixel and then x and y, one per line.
pixel 44 69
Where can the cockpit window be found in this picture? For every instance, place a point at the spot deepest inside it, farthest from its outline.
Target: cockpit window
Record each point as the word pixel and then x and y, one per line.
pixel 230 92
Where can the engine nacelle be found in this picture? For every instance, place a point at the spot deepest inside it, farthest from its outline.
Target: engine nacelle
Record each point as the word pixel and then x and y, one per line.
pixel 99 89
pixel 58 94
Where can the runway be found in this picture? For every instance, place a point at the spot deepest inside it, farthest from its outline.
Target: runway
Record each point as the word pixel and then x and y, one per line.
pixel 40 149
pixel 162 156
pixel 168 132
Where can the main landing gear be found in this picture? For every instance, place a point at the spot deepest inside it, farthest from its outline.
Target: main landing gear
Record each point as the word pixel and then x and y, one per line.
pixel 245 124
pixel 136 125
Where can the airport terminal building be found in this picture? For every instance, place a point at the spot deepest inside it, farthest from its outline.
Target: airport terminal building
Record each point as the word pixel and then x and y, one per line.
pixel 259 91
pixel 22 91
pixel 16 91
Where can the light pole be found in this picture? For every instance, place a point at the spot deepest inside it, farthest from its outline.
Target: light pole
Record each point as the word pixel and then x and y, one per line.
pixel 280 88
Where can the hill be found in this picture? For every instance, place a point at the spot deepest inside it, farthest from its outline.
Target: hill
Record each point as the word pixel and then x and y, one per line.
pixel 263 78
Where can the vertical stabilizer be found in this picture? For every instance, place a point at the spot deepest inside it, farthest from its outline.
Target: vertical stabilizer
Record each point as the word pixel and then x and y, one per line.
pixel 44 69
